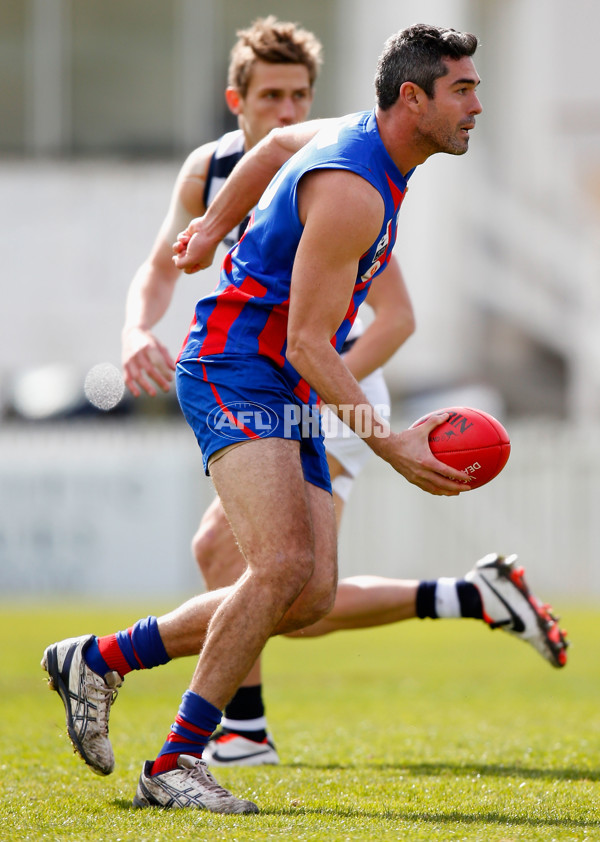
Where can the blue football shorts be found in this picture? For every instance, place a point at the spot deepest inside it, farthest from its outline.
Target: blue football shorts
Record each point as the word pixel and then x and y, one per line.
pixel 232 398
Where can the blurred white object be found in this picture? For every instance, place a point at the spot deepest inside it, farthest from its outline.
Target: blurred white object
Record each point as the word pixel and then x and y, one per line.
pixel 46 392
pixel 104 386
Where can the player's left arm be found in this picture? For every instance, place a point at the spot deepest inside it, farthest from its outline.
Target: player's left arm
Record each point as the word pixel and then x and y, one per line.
pixel 342 216
pixel 392 325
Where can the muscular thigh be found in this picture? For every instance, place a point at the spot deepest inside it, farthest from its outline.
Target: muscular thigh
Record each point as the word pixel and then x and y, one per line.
pixel 325 535
pixel 316 598
pixel 263 492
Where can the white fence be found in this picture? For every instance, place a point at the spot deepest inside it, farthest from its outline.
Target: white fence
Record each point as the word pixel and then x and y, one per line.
pixel 543 506
pixel 102 511
pixel 108 511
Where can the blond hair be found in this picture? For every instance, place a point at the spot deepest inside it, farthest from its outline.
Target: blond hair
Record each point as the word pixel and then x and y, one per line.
pixel 276 42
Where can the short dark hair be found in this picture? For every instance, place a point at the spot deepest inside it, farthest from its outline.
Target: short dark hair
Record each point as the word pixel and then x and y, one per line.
pixel 417 54
pixel 276 42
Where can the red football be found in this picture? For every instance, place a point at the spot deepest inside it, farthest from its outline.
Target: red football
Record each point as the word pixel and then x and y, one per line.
pixel 472 441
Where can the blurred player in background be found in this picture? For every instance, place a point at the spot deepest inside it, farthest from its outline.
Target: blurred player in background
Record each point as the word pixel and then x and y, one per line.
pixel 87 671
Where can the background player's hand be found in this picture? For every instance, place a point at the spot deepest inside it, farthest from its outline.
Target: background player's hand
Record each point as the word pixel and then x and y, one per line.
pixel 145 362
pixel 409 454
pixel 194 248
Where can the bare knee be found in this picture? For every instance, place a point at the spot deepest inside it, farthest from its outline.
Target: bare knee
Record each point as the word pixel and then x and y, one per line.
pixel 290 576
pixel 215 550
pixel 323 601
pixel 313 603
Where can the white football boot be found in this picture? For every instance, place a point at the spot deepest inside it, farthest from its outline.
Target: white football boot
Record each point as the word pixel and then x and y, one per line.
pixel 226 748
pixel 508 604
pixel 87 698
pixel 191 785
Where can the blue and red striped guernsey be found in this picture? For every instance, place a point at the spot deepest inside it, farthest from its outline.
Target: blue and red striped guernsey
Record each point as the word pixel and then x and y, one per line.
pixel 247 313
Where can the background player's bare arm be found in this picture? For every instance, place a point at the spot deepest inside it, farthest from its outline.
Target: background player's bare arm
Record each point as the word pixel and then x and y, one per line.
pixel 146 361
pixel 394 322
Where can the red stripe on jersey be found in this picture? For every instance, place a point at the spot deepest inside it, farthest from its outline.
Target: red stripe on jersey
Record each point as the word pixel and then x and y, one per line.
pixel 352 308
pixel 228 307
pixel 272 337
pixel 185 341
pixel 397 195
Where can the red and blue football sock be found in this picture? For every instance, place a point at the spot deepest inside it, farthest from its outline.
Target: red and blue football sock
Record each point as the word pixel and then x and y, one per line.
pixel 137 648
pixel 194 723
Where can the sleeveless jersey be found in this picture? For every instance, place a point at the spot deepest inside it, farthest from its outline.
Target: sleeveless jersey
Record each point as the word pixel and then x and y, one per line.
pixel 229 150
pixel 247 313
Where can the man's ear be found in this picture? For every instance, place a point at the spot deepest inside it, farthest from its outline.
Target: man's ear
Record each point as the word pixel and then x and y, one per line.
pixel 233 100
pixel 411 95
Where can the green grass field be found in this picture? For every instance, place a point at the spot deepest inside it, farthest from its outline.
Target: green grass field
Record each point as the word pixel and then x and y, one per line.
pixel 419 731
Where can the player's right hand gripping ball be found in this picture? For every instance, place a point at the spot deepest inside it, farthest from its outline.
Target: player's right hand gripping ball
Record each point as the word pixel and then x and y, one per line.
pixel 471 441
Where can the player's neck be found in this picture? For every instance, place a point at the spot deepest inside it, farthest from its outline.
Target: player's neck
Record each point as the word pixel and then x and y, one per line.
pixel 397 134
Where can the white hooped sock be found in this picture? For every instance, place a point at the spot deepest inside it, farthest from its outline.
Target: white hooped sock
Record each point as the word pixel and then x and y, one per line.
pixel 447 604
pixel 241 725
